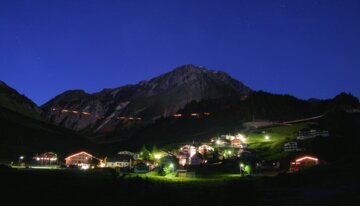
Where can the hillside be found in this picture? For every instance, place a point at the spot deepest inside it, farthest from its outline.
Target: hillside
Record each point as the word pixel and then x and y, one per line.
pixel 22 135
pixel 226 116
pixel 11 99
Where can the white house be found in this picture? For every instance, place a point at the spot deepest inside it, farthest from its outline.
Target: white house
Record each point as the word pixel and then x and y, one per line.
pixel 122 160
pixel 203 149
pixel 309 134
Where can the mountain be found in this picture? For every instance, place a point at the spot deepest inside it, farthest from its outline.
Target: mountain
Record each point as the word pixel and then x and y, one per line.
pixel 11 99
pixel 24 131
pixel 140 104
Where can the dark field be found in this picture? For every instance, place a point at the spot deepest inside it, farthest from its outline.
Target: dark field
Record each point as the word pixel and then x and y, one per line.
pixel 318 186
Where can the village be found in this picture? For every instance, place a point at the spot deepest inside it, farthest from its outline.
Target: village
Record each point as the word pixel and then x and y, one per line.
pixel 241 154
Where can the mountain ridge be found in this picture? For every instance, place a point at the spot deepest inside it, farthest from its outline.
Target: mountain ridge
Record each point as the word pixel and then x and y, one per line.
pixel 13 100
pixel 151 99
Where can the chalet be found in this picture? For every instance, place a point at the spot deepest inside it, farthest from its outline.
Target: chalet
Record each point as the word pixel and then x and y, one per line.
pixel 120 162
pixel 188 149
pixel 47 158
pixel 205 149
pixel 309 134
pixel 303 163
pixel 81 160
pixel 236 142
pixel 228 137
pixel 291 147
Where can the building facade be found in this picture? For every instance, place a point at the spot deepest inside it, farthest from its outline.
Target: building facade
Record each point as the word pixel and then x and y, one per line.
pixel 81 160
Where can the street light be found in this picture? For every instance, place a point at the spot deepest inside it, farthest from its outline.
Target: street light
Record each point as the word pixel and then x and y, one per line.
pixel 21 159
pixel 171 166
pixel 241 166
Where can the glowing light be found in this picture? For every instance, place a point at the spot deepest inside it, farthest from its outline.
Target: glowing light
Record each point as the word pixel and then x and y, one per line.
pixel 267 137
pixel 194 114
pixel 177 115
pixel 242 165
pixel 21 157
pixel 206 113
pixel 157 156
pixel 192 151
pixel 84 166
pixel 85 153
pixel 85 113
pixel 229 152
pixel 182 161
pixel 171 166
pixel 218 142
pixel 307 157
pixel 205 147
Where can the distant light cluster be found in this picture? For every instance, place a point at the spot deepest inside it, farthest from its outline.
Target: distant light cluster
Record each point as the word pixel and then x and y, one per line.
pixel 128 118
pixel 97 116
pixel 198 115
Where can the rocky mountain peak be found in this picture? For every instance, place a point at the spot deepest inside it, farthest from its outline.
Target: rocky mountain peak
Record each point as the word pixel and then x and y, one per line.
pixel 148 100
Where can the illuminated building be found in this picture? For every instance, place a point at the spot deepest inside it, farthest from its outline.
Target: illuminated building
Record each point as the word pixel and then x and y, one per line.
pixel 204 149
pixel 303 163
pixel 82 160
pixel 236 142
pixel 46 158
pixel 292 147
pixel 309 134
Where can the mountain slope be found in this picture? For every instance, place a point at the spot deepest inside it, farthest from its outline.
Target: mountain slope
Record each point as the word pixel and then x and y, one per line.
pixel 142 103
pixel 21 135
pixel 24 131
pixel 11 99
pixel 227 115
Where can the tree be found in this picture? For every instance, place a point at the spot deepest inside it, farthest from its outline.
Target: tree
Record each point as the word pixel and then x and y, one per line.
pixel 144 153
pixel 154 150
pixel 166 170
pixel 248 169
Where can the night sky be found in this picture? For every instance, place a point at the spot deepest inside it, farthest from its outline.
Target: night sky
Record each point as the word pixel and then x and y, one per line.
pixel 308 48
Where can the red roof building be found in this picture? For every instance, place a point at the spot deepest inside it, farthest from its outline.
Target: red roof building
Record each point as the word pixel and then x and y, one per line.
pixel 303 163
pixel 81 159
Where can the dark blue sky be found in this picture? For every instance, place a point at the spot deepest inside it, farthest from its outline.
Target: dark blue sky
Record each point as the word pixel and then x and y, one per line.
pixel 308 48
